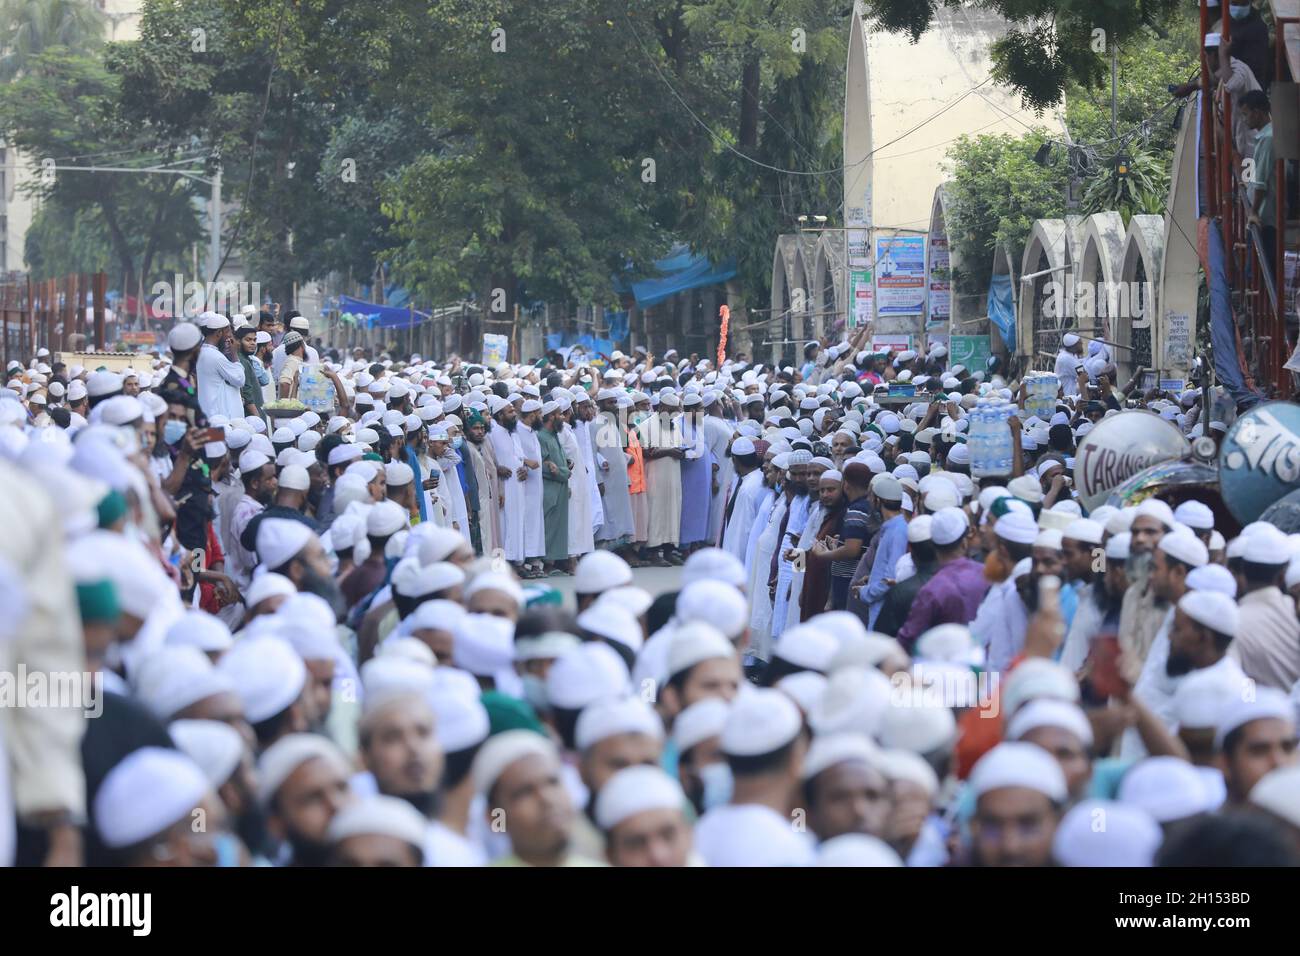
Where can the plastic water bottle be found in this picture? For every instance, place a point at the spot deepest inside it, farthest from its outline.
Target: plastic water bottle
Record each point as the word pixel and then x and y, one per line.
pixel 1002 439
pixel 315 390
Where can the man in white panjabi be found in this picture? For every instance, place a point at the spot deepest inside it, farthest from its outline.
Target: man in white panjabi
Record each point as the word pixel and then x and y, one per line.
pixel 583 408
pixel 717 433
pixel 530 454
pixel 510 513
pixel 660 437
pixel 611 462
pixel 580 529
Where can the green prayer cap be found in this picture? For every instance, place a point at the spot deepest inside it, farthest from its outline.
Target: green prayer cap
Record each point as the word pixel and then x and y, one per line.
pixel 111 508
pixel 98 602
pixel 509 713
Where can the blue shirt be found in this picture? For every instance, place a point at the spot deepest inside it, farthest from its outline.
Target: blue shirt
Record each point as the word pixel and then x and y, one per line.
pixel 891 546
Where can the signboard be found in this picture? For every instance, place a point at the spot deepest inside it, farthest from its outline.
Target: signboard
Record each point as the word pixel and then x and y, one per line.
pixel 940 302
pixel 900 275
pixel 863 298
pixel 496 348
pixel 891 343
pixel 138 338
pixel 971 351
pixel 1172 384
pixel 1259 460
pixel 1119 447
pixel 1178 340
pixel 859 248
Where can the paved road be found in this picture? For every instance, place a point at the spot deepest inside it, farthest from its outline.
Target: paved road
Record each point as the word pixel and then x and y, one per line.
pixel 654 580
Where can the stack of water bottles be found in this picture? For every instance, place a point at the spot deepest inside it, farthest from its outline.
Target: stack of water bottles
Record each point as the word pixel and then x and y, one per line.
pixel 1040 395
pixel 989 438
pixel 315 390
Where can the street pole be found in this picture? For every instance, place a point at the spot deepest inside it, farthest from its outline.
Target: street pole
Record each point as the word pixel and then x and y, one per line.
pixel 214 228
pixel 1114 90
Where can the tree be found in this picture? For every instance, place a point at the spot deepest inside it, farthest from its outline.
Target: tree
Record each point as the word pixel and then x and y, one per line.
pixel 29 28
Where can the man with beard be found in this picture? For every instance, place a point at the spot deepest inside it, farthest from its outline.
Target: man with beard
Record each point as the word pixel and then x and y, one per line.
pixel 291 549
pixel 484 535
pixel 256 377
pixel 886 497
pixel 800 506
pixel 302 782
pixel 530 455
pixel 512 474
pixel 1080 542
pixel 1001 619
pixel 1142 615
pixel 223 756
pixel 290 501
pixel 609 441
pixel 400 748
pixel 583 412
pixel 520 777
pixel 925 559
pixel 555 490
pixel 1269 647
pixel 1047 558
pixel 257 472
pixel 744 495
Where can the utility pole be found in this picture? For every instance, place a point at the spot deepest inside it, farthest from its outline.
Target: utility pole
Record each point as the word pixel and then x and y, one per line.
pixel 214 228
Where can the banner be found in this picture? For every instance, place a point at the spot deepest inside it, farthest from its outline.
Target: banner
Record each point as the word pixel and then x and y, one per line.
pixel 969 350
pixel 1002 309
pixel 900 275
pixel 940 301
pixel 862 297
pixel 496 348
pixel 891 343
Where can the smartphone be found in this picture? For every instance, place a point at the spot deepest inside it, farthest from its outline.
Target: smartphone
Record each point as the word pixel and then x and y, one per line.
pixel 1105 677
pixel 214 434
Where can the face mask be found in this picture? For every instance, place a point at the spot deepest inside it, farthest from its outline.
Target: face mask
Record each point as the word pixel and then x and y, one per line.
pixel 457 442
pixel 535 692
pixel 1239 12
pixel 717 781
pixel 173 431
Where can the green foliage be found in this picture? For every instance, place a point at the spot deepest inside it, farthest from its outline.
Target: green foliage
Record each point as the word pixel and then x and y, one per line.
pixel 29 28
pixel 1143 190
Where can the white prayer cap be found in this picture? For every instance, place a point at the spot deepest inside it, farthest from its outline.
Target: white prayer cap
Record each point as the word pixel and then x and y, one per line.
pixel 462 719
pixel 279 540
pixel 806 646
pixel 286 755
pixel 200 629
pixel 696 641
pixel 1203 696
pixel 857 849
pixel 483 644
pixel 636 601
pixel 1117 547
pixel 149 791
pixel 1155 508
pixel 855 701
pixel 948 525
pixel 903 765
pixel 760 721
pixel 1266 703
pixel 120 410
pixel 1049 538
pixel 1038 677
pixel 412 579
pixel 495 581
pixel 1194 514
pixel 1019 765
pixel 545 646
pixel 379 815
pixel 614 716
pixel 718 604
pixel 1016 527
pixel 951 643
pixel 919 529
pixel 1106 833
pixel 215 746
pixel 295 478
pixel 1085 530
pixel 174 677
pixel 920 728
pixel 505 749
pixel 613 623
pixel 390 677
pixel 1265 545
pixel 1217 542
pixel 715 564
pixel 829 750
pixel 1278 792
pixel 1212 609
pixel 1212 577
pixel 408 649
pixel 251 462
pixel 1046 712
pixel 267 673
pixel 805 688
pixel 77 391
pixel 1026 488
pixel 635 790
pixel 742 446
pixel 433 543
pixel 585 674
pixel 184 336
pixel 703 719
pixel 385 518
pixel 398 473
pixel 599 571
pixel 1185 547
pixel 1167 788
pixel 530 405
pixel 103 383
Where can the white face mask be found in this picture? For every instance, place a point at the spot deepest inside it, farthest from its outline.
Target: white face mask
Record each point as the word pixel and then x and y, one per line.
pixel 718 784
pixel 535 692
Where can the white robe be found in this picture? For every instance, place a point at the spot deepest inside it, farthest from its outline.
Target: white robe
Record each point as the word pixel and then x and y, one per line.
pixel 717 433
pixel 749 492
pixel 582 433
pixel 510 515
pixel 580 528
pixel 450 481
pixel 611 462
pixel 1001 620
pixel 534 524
pixel 760 617
pixel 793 606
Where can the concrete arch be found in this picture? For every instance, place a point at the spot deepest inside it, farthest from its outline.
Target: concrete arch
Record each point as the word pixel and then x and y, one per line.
pixel 937 243
pixel 1046 259
pixel 1096 279
pixel 1140 265
pixel 829 282
pixel 789 299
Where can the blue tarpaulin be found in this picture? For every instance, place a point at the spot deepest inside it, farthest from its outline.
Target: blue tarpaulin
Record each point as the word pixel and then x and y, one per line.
pixel 680 270
pixel 591 345
pixel 1223 333
pixel 380 316
pixel 1002 309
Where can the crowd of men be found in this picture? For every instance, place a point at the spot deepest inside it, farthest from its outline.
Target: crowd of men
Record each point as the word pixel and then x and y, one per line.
pixel 345 636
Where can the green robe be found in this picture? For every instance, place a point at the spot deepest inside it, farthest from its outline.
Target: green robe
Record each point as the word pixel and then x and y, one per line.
pixel 555 496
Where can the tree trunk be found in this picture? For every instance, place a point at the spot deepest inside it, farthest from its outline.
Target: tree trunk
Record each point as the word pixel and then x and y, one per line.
pixel 120 246
pixel 749 91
